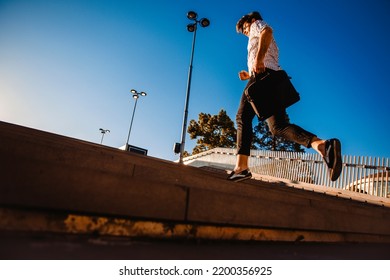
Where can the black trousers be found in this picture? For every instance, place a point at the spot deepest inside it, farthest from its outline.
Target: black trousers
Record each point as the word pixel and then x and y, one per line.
pixel 278 124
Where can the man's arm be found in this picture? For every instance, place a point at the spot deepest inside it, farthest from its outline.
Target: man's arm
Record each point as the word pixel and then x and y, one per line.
pixel 265 39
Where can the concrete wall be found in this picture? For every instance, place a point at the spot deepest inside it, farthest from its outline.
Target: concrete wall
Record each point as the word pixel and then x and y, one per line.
pixel 47 178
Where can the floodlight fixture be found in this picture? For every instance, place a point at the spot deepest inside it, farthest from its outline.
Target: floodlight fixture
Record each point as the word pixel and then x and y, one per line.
pixel 192 15
pixel 191 27
pixel 204 22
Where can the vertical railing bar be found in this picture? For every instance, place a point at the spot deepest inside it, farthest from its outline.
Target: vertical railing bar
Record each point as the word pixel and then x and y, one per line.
pixel 384 183
pixel 353 174
pixel 370 174
pixel 343 180
pixel 284 166
pixel 313 166
pixel 302 168
pixel 387 184
pixel 383 174
pixel 299 167
pixel 281 171
pixel 376 183
pixel 274 168
pixel 296 166
pixel 367 161
pixel 346 184
pixel 382 166
pixel 351 170
pixel 308 169
pixel 361 171
pixel 268 165
pixel 343 173
pixel 321 173
pixel 374 172
pixel 318 165
pixel 371 178
pixel 324 167
pixel 318 171
pixel 387 180
pixel 292 167
pixel 347 171
pixel 357 171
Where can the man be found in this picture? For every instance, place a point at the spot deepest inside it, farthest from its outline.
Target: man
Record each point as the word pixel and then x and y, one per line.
pixel 263 53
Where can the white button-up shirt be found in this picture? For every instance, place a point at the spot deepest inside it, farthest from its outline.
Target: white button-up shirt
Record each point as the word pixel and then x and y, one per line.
pixel 271 59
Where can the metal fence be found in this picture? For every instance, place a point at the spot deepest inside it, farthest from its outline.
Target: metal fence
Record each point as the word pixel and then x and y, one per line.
pixel 362 174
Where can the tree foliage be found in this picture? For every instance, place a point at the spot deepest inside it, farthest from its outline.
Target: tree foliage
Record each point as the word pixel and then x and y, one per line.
pixel 212 132
pixel 218 131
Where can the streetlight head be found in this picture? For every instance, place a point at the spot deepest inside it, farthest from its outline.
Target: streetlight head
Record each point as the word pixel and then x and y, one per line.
pixel 135 96
pixel 204 22
pixel 192 15
pixel 133 91
pixel 143 93
pixel 191 27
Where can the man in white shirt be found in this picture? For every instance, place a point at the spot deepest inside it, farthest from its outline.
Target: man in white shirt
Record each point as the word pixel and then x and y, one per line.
pixel 263 53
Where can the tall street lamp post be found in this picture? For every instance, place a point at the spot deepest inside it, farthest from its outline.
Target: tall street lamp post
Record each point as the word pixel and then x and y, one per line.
pixel 136 95
pixel 192 27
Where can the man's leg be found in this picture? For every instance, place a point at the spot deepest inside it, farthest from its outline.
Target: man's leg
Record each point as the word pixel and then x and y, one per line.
pixel 241 171
pixel 330 150
pixel 241 163
pixel 244 118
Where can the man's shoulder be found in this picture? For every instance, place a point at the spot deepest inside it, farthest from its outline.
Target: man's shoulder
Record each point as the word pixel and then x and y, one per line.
pixel 259 25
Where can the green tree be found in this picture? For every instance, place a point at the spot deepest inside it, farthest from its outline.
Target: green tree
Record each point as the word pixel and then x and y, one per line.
pixel 212 132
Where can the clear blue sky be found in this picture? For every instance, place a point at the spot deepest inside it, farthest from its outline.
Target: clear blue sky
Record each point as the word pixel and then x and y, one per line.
pixel 66 66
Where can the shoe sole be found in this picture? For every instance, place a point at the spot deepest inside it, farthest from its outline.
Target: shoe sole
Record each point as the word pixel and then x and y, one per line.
pixel 241 179
pixel 338 164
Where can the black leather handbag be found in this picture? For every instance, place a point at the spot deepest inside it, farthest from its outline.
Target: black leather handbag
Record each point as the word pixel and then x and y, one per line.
pixel 270 92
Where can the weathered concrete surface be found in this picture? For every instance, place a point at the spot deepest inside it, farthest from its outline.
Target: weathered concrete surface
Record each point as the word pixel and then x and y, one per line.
pixel 55 184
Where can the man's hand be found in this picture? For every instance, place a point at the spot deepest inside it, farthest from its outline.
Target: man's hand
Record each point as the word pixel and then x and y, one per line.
pixel 258 67
pixel 244 75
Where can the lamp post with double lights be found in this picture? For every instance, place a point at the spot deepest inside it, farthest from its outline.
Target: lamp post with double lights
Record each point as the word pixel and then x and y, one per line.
pixel 192 27
pixel 103 131
pixel 136 95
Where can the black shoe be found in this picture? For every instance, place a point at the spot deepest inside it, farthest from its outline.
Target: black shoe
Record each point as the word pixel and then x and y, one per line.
pixel 237 177
pixel 332 158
